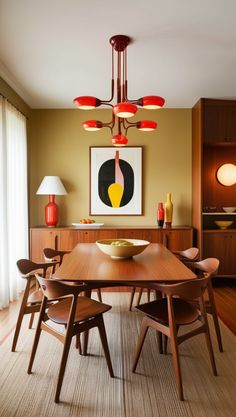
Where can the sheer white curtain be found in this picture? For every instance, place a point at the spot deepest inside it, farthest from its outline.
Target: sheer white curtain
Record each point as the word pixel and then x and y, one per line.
pixel 13 200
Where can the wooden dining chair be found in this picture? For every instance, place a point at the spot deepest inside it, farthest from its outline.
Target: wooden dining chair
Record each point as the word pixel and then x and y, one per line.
pixel 76 314
pixel 54 255
pixel 31 302
pixel 57 256
pixel 167 314
pixel 211 266
pixel 185 256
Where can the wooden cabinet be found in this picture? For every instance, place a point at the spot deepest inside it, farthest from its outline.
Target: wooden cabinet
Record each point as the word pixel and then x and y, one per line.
pixel 176 239
pixel 219 121
pixel 223 244
pixel 214 144
pixel 40 239
pixel 65 238
pixel 152 235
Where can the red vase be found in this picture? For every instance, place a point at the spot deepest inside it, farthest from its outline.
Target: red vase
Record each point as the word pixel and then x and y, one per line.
pixel 51 212
pixel 160 215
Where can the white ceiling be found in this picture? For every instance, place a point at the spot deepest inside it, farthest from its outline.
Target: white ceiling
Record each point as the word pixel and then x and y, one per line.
pixel 54 50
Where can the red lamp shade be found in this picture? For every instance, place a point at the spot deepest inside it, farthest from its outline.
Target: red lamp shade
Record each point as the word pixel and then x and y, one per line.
pixel 92 125
pixel 146 125
pixel 125 109
pixel 87 102
pixel 119 140
pixel 151 102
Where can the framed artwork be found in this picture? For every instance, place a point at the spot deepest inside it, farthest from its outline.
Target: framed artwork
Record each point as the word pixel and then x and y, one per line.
pixel 116 180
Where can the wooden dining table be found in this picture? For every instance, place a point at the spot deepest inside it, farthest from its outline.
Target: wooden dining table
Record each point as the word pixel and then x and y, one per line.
pixel 94 269
pixel 86 263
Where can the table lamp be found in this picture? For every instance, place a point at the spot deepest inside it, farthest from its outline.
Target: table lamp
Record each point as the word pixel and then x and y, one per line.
pixel 51 185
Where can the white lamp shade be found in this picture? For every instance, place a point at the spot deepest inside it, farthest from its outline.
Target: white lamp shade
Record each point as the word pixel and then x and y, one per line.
pixel 51 185
pixel 226 174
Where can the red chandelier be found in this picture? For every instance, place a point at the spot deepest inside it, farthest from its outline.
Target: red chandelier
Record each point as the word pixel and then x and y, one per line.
pixel 125 108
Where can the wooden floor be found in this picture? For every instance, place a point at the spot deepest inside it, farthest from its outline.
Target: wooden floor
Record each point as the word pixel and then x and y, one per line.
pixel 225 296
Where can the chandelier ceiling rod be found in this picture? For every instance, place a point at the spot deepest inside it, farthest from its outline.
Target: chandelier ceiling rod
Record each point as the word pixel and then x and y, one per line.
pixel 124 108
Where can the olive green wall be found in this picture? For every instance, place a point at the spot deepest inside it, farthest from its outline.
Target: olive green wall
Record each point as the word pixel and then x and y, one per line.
pixel 58 145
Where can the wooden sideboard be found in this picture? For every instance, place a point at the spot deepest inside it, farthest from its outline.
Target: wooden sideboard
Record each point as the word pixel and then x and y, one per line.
pixel 65 238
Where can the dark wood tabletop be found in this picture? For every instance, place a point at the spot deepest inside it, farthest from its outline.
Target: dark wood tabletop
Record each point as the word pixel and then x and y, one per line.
pixel 155 264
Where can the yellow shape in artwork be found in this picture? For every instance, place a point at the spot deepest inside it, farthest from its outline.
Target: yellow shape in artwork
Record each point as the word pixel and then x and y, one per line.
pixel 115 192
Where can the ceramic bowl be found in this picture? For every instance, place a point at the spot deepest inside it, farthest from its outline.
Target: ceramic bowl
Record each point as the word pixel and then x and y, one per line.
pixel 229 209
pixel 223 224
pixel 122 248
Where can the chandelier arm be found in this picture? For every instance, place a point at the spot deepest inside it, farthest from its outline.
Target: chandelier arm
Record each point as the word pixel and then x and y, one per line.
pixel 118 85
pixel 107 103
pixel 112 80
pixel 128 127
pixel 109 126
pixel 125 84
pixel 129 123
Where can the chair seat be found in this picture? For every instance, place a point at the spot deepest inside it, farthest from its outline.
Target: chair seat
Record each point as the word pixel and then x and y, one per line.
pixel 35 297
pixel 86 308
pixel 184 312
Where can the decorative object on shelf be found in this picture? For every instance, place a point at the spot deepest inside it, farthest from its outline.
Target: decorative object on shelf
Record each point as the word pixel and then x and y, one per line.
pixel 226 174
pixel 223 224
pixel 115 181
pixel 88 225
pixel 122 248
pixel 160 215
pixel 209 209
pixel 229 209
pixel 51 185
pixel 124 108
pixel 168 210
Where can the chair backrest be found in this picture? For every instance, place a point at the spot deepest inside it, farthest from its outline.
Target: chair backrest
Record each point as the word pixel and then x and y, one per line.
pixel 209 265
pixel 190 253
pixel 53 289
pixel 54 254
pixel 188 290
pixel 26 266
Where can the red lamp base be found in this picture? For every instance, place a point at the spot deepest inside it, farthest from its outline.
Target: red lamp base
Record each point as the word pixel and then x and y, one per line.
pixel 51 212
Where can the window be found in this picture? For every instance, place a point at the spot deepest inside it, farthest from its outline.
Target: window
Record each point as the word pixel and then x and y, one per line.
pixel 13 200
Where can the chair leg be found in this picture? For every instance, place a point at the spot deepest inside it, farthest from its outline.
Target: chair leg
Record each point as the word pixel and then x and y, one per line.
pixel 85 342
pixel 99 294
pixel 176 363
pixel 165 343
pixel 160 341
pixel 64 357
pixel 143 332
pixel 31 321
pixel 214 316
pixel 139 296
pixel 103 336
pixel 87 293
pixel 21 315
pixel 37 335
pixel 78 344
pixel 132 298
pixel 149 295
pixel 210 350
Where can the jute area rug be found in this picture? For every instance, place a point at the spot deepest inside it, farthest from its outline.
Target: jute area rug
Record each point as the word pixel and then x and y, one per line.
pixel 88 390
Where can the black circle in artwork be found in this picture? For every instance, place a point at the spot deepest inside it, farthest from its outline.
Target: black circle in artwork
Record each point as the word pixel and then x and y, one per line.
pixel 106 177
